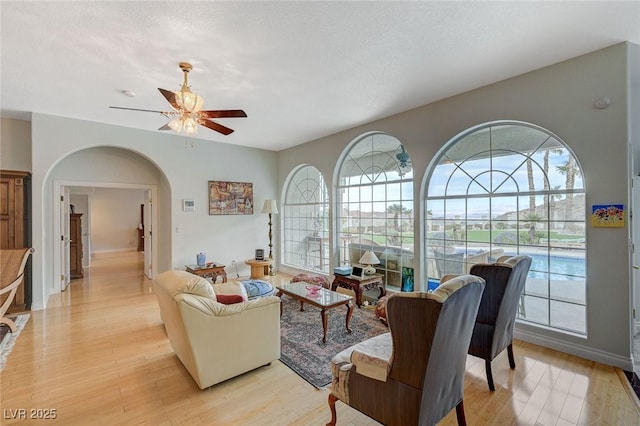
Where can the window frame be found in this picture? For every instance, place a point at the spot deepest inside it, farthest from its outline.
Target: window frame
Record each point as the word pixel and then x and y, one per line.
pixel 558 272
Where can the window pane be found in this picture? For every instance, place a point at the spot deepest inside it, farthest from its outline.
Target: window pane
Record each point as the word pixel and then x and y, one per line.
pixel 381 221
pixel 568 316
pixel 305 238
pixel 535 205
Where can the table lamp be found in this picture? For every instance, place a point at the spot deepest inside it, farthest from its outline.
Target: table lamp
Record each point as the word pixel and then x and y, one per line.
pixel 369 258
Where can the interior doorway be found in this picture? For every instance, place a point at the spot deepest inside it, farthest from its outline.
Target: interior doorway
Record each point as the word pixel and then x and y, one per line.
pixel 62 191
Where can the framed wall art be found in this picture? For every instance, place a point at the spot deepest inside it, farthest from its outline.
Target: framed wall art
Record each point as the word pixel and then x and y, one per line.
pixel 607 215
pixel 230 197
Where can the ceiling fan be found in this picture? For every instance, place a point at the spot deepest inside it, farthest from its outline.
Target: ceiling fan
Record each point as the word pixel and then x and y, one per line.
pixel 187 111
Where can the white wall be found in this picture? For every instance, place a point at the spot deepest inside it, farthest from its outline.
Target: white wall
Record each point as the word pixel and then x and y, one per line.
pixel 15 145
pixel 115 216
pixel 74 150
pixel 559 98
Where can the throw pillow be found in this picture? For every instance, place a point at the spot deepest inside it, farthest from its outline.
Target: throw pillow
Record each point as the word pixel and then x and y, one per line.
pixel 231 287
pixel 229 299
pixel 258 288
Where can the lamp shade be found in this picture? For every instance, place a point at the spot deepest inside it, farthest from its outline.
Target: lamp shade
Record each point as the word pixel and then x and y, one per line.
pixel 369 258
pixel 270 206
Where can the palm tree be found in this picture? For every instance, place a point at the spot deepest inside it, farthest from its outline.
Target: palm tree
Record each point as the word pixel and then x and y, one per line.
pixel 570 171
pixel 532 218
pixel 397 210
pixel 545 167
pixel 532 187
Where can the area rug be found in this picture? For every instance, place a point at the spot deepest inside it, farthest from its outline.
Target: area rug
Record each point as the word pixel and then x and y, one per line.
pixel 8 339
pixel 302 349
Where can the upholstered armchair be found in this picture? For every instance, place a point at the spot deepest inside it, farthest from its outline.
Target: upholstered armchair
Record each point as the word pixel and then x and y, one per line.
pixel 214 330
pixel 415 373
pixel 493 330
pixel 12 263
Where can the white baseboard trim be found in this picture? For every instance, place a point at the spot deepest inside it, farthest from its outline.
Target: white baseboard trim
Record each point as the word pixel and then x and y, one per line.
pixel 37 306
pixel 597 355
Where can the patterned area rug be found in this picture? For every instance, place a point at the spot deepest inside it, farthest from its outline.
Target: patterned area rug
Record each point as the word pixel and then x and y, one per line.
pixel 302 349
pixel 7 339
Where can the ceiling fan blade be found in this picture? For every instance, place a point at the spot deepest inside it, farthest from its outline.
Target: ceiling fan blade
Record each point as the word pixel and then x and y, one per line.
pixel 170 97
pixel 215 126
pixel 225 113
pixel 137 109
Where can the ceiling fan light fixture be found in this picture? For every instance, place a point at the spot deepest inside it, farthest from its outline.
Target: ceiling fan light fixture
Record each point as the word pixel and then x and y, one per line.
pixel 403 158
pixel 190 126
pixel 188 101
pixel 186 110
pixel 176 124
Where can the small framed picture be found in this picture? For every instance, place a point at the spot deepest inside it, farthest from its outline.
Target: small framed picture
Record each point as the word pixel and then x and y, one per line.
pixel 188 206
pixel 259 254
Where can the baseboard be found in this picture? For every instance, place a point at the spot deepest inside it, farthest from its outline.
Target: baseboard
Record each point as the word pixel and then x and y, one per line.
pixel 37 306
pixel 597 355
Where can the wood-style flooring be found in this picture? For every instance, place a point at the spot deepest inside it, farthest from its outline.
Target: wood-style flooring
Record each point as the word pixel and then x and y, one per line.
pixel 99 355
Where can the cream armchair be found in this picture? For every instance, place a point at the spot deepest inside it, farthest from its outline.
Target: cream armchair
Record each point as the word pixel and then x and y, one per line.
pixel 214 341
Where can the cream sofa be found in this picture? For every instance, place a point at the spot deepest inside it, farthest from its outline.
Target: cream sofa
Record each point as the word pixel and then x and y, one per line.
pixel 215 341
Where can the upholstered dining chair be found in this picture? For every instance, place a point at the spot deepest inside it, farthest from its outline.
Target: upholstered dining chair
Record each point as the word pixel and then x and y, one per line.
pixel 493 330
pixel 12 262
pixel 415 373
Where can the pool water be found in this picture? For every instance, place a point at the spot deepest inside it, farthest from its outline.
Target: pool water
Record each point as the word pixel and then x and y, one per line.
pixel 572 268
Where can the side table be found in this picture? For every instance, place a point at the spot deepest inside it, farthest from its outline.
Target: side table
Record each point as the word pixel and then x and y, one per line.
pixel 210 270
pixel 259 268
pixel 359 285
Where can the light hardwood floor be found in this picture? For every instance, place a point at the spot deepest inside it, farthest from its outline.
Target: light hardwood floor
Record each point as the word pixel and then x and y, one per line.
pixel 99 355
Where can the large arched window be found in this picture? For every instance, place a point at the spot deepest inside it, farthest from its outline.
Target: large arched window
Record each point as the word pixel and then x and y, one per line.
pixel 305 219
pixel 374 207
pixel 507 188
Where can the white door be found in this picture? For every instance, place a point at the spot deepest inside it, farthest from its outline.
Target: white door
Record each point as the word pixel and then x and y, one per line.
pixel 635 229
pixel 148 235
pixel 65 263
pixel 86 236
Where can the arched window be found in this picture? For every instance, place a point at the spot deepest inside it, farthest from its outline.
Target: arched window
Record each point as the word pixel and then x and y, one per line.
pixel 507 188
pixel 306 215
pixel 374 207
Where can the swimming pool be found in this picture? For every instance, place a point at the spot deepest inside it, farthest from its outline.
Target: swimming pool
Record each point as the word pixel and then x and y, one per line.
pixel 550 266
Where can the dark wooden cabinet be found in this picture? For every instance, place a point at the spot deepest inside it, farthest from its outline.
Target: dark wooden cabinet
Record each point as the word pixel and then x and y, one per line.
pixel 75 245
pixel 15 225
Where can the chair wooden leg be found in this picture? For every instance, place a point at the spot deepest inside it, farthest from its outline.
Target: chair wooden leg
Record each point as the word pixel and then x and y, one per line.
pixel 332 407
pixel 512 361
pixel 12 325
pixel 460 414
pixel 487 366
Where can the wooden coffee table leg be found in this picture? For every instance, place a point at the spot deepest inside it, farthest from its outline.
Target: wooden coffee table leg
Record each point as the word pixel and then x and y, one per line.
pixel 349 313
pixel 325 317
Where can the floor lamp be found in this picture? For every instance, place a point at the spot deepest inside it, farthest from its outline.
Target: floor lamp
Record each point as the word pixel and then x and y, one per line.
pixel 270 207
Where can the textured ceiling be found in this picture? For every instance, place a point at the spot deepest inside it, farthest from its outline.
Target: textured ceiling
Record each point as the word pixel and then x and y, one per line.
pixel 301 70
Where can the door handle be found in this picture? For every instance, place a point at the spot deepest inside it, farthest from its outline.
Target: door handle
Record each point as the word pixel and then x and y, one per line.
pixel 636 267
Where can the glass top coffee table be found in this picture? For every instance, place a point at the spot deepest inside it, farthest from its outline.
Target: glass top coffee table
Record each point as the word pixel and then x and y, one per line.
pixel 321 298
